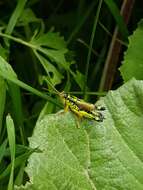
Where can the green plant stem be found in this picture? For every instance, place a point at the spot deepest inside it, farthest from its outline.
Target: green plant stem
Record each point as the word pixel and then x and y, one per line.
pixel 29 88
pixel 77 28
pixel 89 93
pixel 109 34
pixel 87 46
pixel 13 19
pixel 17 40
pixel 99 62
pixel 90 45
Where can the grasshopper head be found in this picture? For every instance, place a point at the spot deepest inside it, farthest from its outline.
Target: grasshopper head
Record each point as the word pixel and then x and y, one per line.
pixel 63 95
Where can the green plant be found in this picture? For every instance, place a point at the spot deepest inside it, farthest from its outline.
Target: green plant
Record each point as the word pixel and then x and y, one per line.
pixel 98 155
pixel 32 56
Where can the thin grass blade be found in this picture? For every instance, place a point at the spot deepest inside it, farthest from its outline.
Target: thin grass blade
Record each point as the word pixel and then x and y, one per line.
pixel 11 139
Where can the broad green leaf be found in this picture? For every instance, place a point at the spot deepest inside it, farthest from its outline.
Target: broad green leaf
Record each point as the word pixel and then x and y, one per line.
pixel 51 71
pixel 132 66
pixel 50 40
pixel 105 155
pixel 57 56
pixel 56 53
pixel 53 46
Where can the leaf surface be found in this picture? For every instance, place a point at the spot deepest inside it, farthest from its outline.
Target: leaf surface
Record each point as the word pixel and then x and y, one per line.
pixel 106 155
pixel 132 65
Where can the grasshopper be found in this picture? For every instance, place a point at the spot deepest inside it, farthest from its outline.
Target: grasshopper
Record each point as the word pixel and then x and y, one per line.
pixel 81 108
pixel 78 106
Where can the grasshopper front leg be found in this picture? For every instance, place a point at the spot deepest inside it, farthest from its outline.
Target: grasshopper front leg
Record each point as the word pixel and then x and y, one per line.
pixel 66 107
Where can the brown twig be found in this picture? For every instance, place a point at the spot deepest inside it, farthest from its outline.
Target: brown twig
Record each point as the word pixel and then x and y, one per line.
pixel 114 50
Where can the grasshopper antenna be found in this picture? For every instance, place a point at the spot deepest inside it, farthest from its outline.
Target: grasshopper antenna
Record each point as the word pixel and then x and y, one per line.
pixel 52 86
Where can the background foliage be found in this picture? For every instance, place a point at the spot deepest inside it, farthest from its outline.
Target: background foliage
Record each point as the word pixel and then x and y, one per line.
pixel 77 47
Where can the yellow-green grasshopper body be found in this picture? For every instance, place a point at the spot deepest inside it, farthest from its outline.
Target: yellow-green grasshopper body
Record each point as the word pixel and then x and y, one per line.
pixel 78 106
pixel 82 108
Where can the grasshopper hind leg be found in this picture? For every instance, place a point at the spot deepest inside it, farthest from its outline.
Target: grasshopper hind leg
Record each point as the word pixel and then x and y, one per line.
pixel 78 119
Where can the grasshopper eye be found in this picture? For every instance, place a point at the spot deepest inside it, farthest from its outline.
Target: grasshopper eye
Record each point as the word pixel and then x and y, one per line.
pixel 64 95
